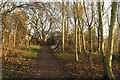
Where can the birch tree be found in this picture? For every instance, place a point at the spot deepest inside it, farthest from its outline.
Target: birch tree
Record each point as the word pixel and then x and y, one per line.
pixel 76 30
pixel 63 27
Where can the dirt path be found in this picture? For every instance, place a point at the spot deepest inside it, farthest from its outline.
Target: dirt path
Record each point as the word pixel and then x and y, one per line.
pixel 48 66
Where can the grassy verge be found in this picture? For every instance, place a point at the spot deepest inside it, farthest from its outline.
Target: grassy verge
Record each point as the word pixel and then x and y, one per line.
pixel 21 61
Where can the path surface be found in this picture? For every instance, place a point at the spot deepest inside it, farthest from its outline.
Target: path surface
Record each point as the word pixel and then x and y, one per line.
pixel 48 66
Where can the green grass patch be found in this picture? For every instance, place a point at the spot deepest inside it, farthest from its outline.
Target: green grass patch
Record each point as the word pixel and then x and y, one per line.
pixel 53 46
pixel 30 52
pixel 94 52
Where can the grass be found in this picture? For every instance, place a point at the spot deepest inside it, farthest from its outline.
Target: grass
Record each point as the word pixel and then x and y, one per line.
pixel 30 52
pixel 19 61
pixel 60 55
pixel 66 57
pixel 53 46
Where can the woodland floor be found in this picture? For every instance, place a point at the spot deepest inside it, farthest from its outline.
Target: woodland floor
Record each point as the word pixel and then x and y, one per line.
pixel 55 65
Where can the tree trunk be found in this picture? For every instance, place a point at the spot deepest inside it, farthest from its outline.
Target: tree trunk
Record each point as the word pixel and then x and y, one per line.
pixel 98 48
pixel 76 40
pixel 90 40
pixel 101 31
pixel 66 32
pixel 15 34
pixel 79 40
pixel 119 47
pixel 107 65
pixel 83 39
pixel 90 46
pixel 63 27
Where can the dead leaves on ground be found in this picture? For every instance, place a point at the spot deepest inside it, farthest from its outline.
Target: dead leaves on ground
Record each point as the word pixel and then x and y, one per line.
pixel 17 66
pixel 82 69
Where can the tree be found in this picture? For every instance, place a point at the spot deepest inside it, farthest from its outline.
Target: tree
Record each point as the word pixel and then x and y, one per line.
pixel 107 64
pixel 44 20
pixel 63 27
pixel 79 12
pixel 76 29
pixel 19 19
pixel 118 20
pixel 101 30
pixel 118 14
pixel 83 38
pixel 89 24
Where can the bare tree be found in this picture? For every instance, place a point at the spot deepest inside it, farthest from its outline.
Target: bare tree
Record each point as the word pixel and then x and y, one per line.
pixel 107 64
pixel 89 24
pixel 101 30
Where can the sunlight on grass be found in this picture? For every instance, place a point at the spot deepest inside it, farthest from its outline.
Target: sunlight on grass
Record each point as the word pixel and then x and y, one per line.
pixel 94 52
pixel 53 46
pixel 35 47
pixel 25 52
pixel 32 54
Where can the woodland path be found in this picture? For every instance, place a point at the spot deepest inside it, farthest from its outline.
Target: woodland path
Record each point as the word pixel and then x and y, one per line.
pixel 48 66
